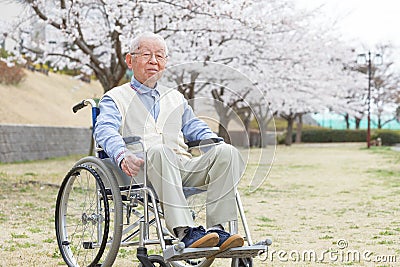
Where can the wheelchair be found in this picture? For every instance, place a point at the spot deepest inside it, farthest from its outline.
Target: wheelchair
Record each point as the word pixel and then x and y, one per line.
pixel 99 210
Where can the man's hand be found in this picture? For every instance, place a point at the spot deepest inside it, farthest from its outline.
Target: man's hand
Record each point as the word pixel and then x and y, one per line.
pixel 131 164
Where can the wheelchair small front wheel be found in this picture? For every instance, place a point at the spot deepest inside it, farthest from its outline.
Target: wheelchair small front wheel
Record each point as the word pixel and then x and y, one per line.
pixel 157 261
pixel 242 262
pixel 82 217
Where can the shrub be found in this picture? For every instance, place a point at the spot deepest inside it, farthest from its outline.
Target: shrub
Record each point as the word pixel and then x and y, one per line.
pixel 388 137
pixel 3 53
pixel 324 135
pixel 11 75
pixel 331 135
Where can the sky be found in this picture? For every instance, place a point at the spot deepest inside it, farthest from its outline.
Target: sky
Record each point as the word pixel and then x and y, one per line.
pixel 8 10
pixel 364 23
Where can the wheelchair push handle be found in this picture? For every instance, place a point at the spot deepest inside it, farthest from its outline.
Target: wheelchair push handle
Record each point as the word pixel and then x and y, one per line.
pixel 78 106
pixel 83 104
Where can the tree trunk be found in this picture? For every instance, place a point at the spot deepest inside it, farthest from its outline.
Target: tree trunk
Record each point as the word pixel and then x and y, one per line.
pixel 263 126
pixel 299 128
pixel 346 118
pixel 245 115
pixel 263 135
pixel 223 132
pixel 358 121
pixel 289 138
pixel 109 82
pixel 225 112
pixel 379 122
pixel 246 137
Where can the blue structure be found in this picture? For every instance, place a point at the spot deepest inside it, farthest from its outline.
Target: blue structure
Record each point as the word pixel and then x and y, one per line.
pixel 334 121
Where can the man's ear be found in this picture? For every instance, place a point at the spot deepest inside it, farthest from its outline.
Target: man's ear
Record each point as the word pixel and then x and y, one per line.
pixel 128 60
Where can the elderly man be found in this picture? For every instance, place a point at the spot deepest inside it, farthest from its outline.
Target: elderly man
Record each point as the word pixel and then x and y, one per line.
pixel 163 118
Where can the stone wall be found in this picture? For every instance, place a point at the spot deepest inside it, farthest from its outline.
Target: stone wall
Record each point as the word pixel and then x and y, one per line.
pixel 27 142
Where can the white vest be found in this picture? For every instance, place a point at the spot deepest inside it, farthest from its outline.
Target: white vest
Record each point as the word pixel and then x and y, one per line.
pixel 137 120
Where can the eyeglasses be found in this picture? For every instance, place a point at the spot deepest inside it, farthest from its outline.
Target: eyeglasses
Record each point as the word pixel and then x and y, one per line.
pixel 147 55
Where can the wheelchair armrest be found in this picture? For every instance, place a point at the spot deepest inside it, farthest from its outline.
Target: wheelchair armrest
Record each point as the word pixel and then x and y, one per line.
pixel 205 142
pixel 132 139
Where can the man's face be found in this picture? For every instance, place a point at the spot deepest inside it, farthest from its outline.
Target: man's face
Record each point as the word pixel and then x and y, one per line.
pixel 147 61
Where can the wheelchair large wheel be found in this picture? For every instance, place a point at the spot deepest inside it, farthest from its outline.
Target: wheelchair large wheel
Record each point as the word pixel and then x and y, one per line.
pixel 89 215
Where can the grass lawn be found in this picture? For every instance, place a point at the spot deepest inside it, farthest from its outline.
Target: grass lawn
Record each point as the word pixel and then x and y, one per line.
pixel 322 205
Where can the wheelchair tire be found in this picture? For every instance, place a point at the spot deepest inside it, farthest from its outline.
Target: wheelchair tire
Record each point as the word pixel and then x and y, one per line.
pixel 79 216
pixel 89 220
pixel 242 262
pixel 115 205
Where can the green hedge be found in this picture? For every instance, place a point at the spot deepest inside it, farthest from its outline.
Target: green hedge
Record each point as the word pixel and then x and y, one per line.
pixel 388 137
pixel 329 135
pixel 324 135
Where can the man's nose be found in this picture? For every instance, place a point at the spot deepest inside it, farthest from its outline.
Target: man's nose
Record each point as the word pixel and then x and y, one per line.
pixel 153 58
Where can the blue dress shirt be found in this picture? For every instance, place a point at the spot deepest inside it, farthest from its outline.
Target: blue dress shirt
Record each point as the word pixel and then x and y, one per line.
pixel 106 131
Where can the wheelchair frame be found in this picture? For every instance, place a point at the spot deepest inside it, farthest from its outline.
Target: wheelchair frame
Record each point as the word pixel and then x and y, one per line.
pixel 92 233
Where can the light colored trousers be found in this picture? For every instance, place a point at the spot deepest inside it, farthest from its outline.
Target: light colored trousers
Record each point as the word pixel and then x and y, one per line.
pixel 218 171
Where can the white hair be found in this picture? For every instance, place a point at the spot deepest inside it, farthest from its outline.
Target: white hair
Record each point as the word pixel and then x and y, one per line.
pixel 135 43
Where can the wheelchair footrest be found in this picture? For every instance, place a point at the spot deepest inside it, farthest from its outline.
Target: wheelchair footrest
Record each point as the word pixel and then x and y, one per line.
pixel 243 252
pixel 172 254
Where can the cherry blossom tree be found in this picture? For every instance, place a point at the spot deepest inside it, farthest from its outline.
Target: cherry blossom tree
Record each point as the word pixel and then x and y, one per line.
pixel 307 74
pixel 293 66
pixel 94 35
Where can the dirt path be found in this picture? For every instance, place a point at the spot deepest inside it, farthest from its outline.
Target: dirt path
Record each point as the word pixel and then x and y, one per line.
pixel 315 197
